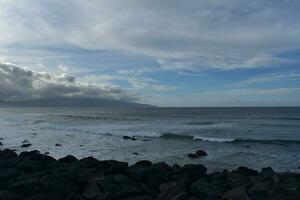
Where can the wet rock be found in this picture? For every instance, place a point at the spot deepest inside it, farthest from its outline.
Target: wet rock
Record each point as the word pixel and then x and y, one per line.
pixel 142 197
pixel 8 159
pixel 92 191
pixel 135 153
pixel 285 191
pixel 201 153
pixel 25 145
pixel 125 137
pixel 192 155
pixel 204 189
pixel 245 171
pixel 259 191
pixel 25 141
pixel 7 195
pixel 238 193
pixel 74 197
pixel 58 145
pixel 1 144
pixel 8 173
pixel 67 159
pixel 173 190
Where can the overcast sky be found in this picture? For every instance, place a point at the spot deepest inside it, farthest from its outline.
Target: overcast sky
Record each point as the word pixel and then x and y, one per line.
pixel 167 53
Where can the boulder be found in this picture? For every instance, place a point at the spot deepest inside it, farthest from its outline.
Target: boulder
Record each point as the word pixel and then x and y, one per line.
pixel 238 193
pixel 67 159
pixel 125 137
pixel 8 195
pixel 25 145
pixel 204 189
pixel 172 191
pixel 192 155
pixel 245 171
pixel 201 153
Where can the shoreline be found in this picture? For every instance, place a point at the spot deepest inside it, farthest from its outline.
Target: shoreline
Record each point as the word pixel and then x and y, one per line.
pixel 33 176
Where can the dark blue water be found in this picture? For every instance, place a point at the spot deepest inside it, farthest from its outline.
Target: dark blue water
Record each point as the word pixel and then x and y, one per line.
pixel 255 137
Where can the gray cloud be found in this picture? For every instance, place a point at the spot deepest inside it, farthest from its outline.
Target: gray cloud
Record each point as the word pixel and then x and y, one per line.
pixel 18 83
pixel 223 34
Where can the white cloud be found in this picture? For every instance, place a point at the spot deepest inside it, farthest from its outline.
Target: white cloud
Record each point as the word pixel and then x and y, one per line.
pixel 223 34
pixel 18 83
pixel 272 77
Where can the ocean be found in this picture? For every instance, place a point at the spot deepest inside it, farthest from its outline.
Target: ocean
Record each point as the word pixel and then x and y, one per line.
pixel 255 137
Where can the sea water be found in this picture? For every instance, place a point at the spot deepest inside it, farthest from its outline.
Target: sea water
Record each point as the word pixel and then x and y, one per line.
pixel 253 137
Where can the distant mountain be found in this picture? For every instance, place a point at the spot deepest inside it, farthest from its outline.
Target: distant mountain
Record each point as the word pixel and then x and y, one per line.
pixel 72 102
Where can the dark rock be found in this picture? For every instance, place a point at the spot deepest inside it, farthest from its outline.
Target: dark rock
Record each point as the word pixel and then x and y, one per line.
pixel 259 191
pixel 268 174
pixel 125 137
pixel 47 153
pixel 67 159
pixel 173 190
pixel 74 197
pixel 135 153
pixel 89 162
pixel 25 145
pixel 1 144
pixel 92 192
pixel 8 159
pixel 142 197
pixel 58 145
pixel 245 171
pixel 192 155
pixel 7 195
pixel 145 163
pixel 204 189
pixel 25 141
pixel 8 173
pixel 201 153
pixel 283 191
pixel 238 193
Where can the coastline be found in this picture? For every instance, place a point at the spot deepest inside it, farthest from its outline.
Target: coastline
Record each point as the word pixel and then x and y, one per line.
pixel 32 175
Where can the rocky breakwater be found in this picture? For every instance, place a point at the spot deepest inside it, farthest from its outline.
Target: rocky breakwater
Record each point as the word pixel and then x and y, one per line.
pixel 34 176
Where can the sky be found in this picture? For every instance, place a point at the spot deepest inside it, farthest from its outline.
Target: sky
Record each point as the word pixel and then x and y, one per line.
pixel 165 53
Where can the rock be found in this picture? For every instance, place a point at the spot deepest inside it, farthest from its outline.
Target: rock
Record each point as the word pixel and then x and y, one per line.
pixel 67 159
pixel 92 191
pixel 58 145
pixel 47 153
pixel 89 162
pixel 1 144
pixel 8 159
pixel 283 191
pixel 201 153
pixel 8 173
pixel 135 153
pixel 259 191
pixel 7 195
pixel 145 163
pixel 204 189
pixel 245 171
pixel 142 197
pixel 238 193
pixel 192 155
pixel 125 137
pixel 268 174
pixel 172 191
pixel 74 197
pixel 25 145
pixel 25 141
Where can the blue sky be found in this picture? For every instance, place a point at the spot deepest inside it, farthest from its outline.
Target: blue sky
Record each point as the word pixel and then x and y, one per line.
pixel 167 53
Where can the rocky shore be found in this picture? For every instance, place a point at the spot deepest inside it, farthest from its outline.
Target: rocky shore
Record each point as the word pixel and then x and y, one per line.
pixel 35 176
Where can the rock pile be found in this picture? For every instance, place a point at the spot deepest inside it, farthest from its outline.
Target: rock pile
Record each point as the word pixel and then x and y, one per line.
pixel 35 176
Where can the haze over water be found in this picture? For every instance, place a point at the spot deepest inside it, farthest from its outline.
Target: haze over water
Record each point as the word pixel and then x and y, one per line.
pixel 254 137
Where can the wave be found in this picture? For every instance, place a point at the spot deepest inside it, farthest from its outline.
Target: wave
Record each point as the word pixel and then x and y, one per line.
pixel 200 123
pixel 92 118
pixel 289 118
pixel 228 140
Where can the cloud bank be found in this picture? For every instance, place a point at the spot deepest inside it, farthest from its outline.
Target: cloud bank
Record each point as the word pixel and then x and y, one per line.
pixel 19 83
pixel 225 34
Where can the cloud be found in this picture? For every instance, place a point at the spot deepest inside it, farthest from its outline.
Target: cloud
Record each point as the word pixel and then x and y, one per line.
pixel 17 83
pixel 272 77
pixel 224 34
